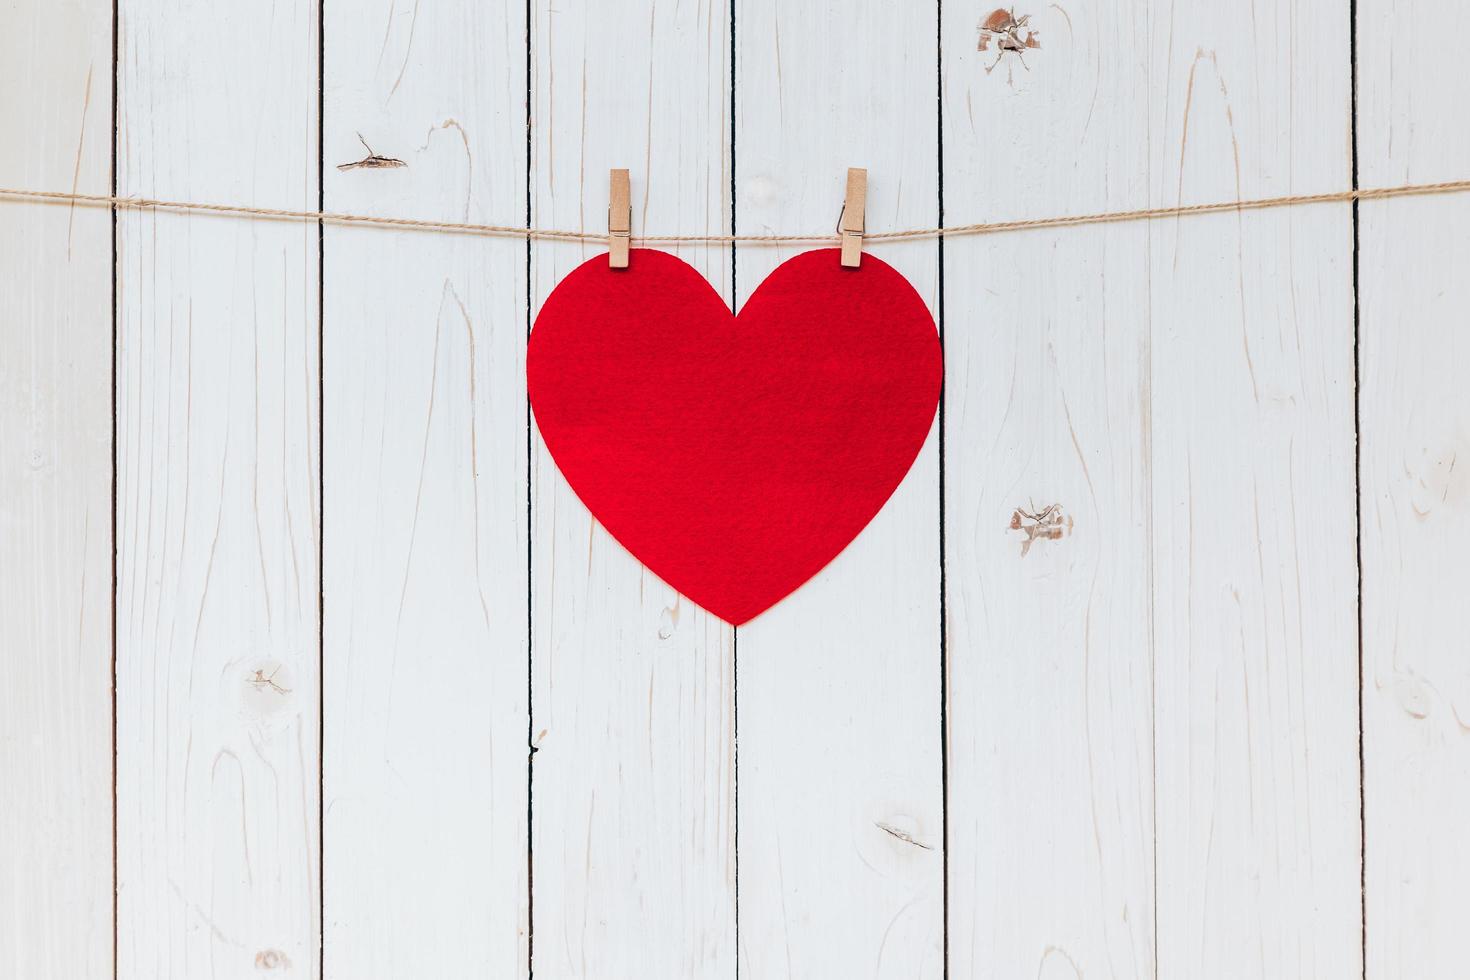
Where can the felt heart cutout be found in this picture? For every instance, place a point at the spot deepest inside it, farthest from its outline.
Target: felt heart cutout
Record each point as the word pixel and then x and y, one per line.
pixel 734 455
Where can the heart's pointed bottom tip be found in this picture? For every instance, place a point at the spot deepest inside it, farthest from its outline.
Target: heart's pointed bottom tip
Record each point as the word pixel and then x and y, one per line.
pixel 735 615
pixel 735 618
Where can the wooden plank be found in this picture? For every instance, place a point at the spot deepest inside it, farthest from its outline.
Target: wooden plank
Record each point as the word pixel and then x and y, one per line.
pixel 55 495
pixel 217 496
pixel 425 546
pixel 1047 502
pixel 1415 420
pixel 1191 381
pixel 1252 525
pixel 841 843
pixel 632 698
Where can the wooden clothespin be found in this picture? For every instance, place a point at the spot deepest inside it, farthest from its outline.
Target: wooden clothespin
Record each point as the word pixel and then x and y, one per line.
pixel 619 219
pixel 854 217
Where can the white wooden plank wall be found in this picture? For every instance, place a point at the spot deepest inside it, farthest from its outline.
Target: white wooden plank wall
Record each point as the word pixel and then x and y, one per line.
pixel 217 505
pixel 1177 380
pixel 424 550
pixel 55 496
pixel 1252 523
pixel 1084 700
pixel 1415 421
pixel 1046 406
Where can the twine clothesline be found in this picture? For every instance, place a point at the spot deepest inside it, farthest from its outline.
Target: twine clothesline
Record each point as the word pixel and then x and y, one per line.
pixel 551 234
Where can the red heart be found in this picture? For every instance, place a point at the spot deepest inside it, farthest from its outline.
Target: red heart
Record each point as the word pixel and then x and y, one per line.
pixel 734 456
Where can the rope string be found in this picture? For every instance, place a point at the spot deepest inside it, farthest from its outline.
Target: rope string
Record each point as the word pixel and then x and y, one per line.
pixel 552 234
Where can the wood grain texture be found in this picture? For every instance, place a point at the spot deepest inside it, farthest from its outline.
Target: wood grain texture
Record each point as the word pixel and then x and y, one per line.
pixel 841 808
pixel 55 495
pixel 1184 392
pixel 1252 525
pixel 632 697
pixel 1415 505
pixel 217 496
pixel 1047 504
pixel 425 524
pixel 1151 697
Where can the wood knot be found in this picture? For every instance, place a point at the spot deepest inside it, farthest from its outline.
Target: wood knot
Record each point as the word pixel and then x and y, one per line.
pixel 373 160
pixel 1047 524
pixel 272 959
pixel 1003 29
